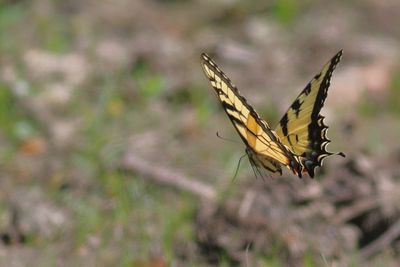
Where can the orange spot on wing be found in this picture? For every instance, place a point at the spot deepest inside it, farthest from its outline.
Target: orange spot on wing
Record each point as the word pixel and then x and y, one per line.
pixel 252 130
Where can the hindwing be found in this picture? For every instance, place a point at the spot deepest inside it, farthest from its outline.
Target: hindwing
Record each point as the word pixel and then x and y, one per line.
pixel 302 127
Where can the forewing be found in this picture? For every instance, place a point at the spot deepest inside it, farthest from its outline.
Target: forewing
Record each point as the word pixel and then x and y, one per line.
pixel 254 131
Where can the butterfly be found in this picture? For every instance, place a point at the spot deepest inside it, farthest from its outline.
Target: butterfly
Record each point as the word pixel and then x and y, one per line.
pixel 299 140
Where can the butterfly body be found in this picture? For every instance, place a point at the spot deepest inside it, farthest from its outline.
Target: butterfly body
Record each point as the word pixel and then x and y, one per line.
pixel 298 142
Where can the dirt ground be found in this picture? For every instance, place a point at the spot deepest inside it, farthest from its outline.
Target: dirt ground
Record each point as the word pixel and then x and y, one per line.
pixel 109 154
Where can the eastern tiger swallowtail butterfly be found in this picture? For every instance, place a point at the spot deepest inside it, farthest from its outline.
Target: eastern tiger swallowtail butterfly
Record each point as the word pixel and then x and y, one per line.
pixel 299 140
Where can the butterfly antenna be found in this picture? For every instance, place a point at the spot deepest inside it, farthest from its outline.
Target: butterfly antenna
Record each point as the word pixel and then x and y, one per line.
pixel 238 165
pixel 226 139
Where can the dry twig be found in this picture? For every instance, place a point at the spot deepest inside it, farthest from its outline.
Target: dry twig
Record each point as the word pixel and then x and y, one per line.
pixel 383 241
pixel 358 208
pixel 168 177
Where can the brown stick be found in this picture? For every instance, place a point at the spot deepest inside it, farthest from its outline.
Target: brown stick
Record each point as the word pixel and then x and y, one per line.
pixel 359 207
pixel 168 177
pixel 383 241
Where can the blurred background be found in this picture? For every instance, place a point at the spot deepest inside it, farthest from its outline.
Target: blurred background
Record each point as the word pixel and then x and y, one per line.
pixel 109 154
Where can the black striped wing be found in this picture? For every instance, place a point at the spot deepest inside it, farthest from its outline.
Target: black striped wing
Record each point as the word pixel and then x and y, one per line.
pixel 263 146
pixel 302 127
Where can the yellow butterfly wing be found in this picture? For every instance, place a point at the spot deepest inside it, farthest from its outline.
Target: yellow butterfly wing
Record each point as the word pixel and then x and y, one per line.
pixel 302 127
pixel 262 145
